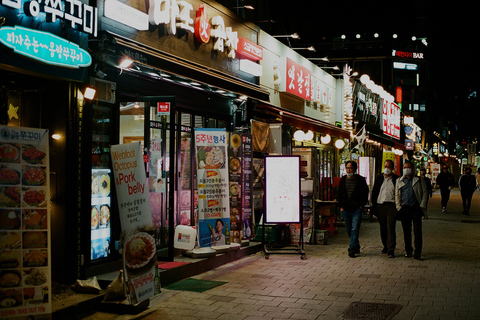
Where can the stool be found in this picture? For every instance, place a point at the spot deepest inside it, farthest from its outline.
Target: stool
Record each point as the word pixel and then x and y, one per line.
pixel 329 223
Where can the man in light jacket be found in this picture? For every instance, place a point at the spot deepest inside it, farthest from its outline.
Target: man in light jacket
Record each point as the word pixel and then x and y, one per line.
pixel 411 201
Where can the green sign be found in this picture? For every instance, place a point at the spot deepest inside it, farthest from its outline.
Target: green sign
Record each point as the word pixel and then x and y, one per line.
pixel 45 47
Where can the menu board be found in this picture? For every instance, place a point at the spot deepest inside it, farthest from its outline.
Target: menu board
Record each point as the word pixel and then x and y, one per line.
pixel 282 189
pixel 25 257
pixel 213 187
pixel 100 214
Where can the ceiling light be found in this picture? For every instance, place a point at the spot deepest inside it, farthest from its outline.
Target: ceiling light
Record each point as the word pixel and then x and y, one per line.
pixel 376 35
pixel 395 36
pixel 126 62
pixel 358 36
pixel 243 7
pixel 293 35
pixel 414 38
pixel 343 37
pixel 334 68
pixel 321 59
pixel 56 136
pixel 311 48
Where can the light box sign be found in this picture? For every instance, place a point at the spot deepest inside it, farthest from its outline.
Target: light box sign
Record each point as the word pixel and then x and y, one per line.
pixel 391 119
pixel 44 47
pixel 298 79
pixel 282 189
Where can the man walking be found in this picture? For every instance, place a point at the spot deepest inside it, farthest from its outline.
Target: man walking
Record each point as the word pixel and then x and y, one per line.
pixel 383 206
pixel 445 181
pixel 352 197
pixel 466 184
pixel 411 200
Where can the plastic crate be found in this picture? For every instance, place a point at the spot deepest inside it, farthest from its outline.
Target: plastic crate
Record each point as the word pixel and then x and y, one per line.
pixel 270 233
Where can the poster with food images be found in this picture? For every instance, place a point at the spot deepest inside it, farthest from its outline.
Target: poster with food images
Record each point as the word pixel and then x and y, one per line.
pixel 213 187
pixel 139 250
pixel 25 257
pixel 235 183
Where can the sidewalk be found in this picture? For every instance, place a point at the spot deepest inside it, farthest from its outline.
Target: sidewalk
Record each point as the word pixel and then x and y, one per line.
pixel 445 285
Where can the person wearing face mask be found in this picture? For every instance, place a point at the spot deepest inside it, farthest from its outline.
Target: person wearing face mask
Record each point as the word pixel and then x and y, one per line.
pixel 466 184
pixel 383 206
pixel 445 181
pixel 411 200
pixel 352 197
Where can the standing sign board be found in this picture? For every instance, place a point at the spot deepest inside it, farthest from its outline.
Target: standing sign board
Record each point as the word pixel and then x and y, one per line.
pixel 139 251
pixel 25 249
pixel 213 187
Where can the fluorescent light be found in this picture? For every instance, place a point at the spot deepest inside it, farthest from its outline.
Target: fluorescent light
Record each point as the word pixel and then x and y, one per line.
pixel 89 93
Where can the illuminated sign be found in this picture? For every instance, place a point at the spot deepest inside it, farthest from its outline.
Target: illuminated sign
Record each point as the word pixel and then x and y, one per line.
pixel 391 119
pixel 163 108
pixel 251 67
pixel 249 50
pixel 405 66
pixel 298 79
pixel 177 15
pixel 45 47
pixel 405 54
pixel 75 13
pixel 129 16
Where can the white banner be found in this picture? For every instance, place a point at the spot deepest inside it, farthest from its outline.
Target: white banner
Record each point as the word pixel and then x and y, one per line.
pixel 213 187
pixel 139 250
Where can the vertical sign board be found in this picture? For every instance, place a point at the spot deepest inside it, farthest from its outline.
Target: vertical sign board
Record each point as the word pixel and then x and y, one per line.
pixel 25 248
pixel 247 186
pixel 213 187
pixel 282 189
pixel 139 251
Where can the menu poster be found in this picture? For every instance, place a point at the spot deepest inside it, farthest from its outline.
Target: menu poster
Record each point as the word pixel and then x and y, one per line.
pixel 235 177
pixel 282 189
pixel 247 186
pixel 100 214
pixel 213 187
pixel 139 250
pixel 25 249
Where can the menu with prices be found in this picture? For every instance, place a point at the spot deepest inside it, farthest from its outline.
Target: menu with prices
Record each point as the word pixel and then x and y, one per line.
pixel 25 257
pixel 213 187
pixel 139 250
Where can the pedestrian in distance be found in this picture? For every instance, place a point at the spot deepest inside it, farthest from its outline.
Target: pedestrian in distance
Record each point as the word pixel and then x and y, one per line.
pixel 445 181
pixel 477 177
pixel 467 184
pixel 423 174
pixel 383 206
pixel 411 201
pixel 352 197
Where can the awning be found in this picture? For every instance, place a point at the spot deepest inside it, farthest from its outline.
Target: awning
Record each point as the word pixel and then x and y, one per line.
pixel 181 67
pixel 307 123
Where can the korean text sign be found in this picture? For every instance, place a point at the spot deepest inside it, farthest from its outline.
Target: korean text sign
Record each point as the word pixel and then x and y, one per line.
pixel 298 80
pixel 25 246
pixel 213 186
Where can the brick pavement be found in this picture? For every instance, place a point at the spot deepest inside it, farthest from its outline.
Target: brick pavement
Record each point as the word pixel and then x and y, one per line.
pixel 445 285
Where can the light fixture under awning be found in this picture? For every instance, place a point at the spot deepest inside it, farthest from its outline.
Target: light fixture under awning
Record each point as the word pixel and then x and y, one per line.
pixel 175 65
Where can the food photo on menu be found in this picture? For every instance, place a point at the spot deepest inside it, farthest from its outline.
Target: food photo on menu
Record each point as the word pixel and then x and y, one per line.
pixel 211 157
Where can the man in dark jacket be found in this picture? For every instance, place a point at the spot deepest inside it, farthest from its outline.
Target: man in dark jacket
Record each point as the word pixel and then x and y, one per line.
pixel 445 181
pixel 467 184
pixel 383 206
pixel 352 197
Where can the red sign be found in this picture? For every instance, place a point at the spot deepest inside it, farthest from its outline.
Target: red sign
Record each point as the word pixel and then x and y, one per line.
pixel 163 107
pixel 249 50
pixel 391 119
pixel 298 80
pixel 202 26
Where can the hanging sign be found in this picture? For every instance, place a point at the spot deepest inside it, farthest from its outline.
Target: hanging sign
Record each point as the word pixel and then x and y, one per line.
pixel 213 187
pixel 44 47
pixel 298 79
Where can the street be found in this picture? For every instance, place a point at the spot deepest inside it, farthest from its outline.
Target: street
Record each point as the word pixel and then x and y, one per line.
pixel 444 285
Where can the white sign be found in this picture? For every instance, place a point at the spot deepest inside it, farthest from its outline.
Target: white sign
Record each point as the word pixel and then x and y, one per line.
pixel 251 67
pixel 282 189
pixel 131 186
pixel 127 15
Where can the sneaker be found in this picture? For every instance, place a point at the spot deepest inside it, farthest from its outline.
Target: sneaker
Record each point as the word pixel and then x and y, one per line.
pixel 356 251
pixel 408 255
pixel 391 255
pixel 444 210
pixel 384 251
pixel 351 253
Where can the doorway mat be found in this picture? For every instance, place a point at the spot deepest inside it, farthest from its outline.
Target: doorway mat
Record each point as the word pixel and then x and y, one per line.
pixel 195 285
pixel 171 265
pixel 371 311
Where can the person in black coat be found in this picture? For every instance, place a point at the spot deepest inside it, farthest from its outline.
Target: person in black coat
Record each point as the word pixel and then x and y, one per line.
pixel 383 206
pixel 446 181
pixel 352 197
pixel 467 184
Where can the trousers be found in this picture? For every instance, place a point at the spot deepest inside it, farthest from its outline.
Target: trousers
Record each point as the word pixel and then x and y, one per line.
pixel 413 214
pixel 386 214
pixel 353 220
pixel 445 193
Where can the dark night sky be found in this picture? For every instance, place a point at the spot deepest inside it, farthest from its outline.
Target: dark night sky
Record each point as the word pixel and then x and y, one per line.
pixel 452 30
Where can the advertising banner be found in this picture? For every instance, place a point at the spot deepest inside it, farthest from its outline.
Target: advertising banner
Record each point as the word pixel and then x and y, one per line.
pixel 139 251
pixel 25 248
pixel 213 187
pixel 298 79
pixel 247 186
pixel 391 119
pixel 235 182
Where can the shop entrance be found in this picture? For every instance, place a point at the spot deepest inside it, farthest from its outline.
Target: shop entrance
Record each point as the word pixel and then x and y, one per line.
pixel 166 135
